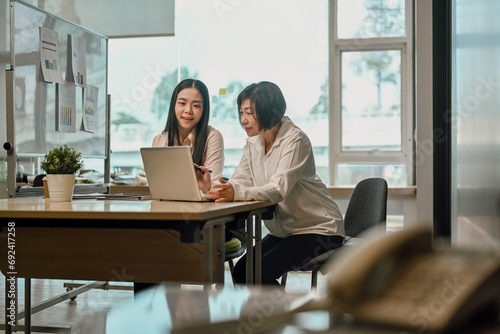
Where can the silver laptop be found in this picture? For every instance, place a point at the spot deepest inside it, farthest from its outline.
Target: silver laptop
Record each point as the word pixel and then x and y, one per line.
pixel 170 173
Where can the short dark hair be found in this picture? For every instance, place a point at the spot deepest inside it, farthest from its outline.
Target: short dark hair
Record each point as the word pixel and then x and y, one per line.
pixel 269 103
pixel 172 126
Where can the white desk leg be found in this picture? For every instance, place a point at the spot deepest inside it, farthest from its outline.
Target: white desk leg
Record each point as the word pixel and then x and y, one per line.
pixel 27 305
pixel 249 250
pixel 219 226
pixel 207 256
pixel 258 249
pixel 221 255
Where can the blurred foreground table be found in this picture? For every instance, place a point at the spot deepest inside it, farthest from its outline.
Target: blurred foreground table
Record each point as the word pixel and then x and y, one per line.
pixel 165 309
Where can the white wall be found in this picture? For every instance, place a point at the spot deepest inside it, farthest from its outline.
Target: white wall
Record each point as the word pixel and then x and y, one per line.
pixel 424 109
pixel 116 18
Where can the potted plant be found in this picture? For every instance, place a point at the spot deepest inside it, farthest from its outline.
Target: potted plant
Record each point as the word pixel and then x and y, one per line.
pixel 61 164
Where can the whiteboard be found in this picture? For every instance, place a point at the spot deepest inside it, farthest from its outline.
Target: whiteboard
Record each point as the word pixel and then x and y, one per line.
pixel 35 99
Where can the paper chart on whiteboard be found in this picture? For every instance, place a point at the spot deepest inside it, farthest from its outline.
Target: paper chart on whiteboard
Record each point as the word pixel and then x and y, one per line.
pixel 66 107
pixel 49 55
pixel 90 109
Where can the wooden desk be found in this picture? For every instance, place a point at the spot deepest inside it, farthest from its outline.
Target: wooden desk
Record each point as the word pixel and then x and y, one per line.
pixel 119 240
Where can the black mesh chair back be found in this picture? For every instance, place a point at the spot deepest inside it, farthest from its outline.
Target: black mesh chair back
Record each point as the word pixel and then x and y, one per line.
pixel 367 206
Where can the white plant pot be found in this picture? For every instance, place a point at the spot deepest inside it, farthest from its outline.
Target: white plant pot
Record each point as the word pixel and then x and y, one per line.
pixel 61 187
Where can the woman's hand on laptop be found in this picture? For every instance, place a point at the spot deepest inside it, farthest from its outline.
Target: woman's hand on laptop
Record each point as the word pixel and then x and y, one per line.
pixel 203 178
pixel 222 192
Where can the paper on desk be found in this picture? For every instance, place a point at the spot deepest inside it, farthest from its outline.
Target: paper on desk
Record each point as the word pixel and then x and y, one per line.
pixel 117 196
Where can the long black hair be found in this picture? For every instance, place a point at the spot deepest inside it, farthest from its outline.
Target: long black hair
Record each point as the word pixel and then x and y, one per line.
pixel 172 127
pixel 269 102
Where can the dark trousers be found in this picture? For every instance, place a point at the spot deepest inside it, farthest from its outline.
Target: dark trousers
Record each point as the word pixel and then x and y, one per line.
pixel 281 255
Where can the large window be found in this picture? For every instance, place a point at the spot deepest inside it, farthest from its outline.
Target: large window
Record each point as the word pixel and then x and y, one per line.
pixel 230 44
pixel 371 104
pixel 227 45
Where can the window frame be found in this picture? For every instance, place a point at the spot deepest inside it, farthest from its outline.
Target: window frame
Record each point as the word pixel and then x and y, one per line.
pixel 402 44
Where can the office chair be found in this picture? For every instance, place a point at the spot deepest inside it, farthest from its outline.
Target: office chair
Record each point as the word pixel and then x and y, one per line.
pixel 367 207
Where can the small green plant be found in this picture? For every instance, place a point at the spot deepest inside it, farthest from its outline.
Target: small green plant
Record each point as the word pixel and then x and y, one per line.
pixel 62 160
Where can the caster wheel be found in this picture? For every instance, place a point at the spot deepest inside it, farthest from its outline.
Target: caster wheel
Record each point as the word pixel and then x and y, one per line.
pixel 68 290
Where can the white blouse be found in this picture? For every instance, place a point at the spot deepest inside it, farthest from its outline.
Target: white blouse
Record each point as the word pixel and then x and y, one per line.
pixel 287 175
pixel 214 150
